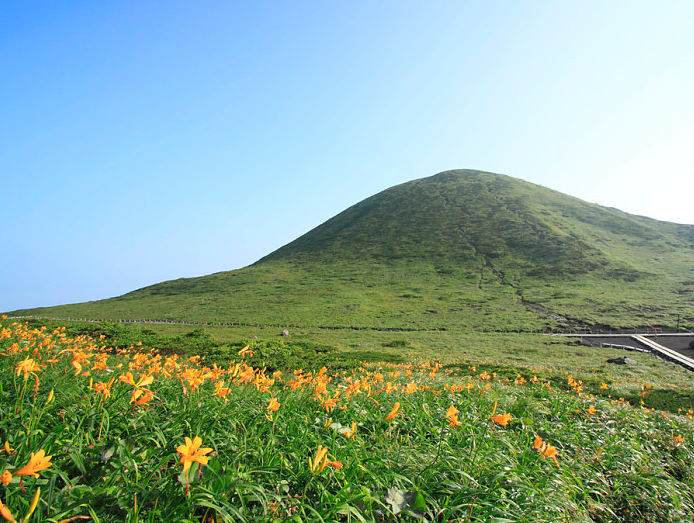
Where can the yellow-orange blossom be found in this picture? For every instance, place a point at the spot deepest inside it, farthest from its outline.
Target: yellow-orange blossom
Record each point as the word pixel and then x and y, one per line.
pixel 37 462
pixel 191 452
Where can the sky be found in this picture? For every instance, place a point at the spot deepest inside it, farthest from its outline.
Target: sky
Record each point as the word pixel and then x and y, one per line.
pixel 143 141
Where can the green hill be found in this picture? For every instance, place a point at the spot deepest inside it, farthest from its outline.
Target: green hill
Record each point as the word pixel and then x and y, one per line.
pixel 461 250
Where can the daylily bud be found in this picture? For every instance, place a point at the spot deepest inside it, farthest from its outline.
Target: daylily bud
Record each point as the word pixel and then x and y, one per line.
pixel 34 502
pixel 6 477
pixel 5 513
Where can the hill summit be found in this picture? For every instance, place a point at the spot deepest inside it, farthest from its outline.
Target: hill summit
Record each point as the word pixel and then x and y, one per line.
pixel 468 219
pixel 459 250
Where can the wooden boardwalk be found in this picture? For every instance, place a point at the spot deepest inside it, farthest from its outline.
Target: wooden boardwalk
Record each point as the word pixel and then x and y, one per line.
pixel 664 352
pixel 648 341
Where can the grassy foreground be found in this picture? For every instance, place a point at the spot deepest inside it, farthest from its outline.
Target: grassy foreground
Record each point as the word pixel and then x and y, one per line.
pixel 92 432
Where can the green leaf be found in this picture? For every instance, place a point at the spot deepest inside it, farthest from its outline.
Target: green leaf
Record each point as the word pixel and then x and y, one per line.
pixel 347 510
pixel 419 504
pixel 416 505
pixel 396 498
pixel 182 479
pixel 108 453
pixel 412 502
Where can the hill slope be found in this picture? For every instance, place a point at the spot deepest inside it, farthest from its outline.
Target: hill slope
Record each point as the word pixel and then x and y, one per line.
pixel 458 250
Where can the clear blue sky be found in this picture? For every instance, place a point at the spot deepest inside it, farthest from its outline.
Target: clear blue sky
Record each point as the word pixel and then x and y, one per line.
pixel 142 141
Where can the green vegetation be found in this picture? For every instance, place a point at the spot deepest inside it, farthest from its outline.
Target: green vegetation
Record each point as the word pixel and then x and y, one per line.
pixel 462 250
pixel 506 354
pixel 439 400
pixel 99 432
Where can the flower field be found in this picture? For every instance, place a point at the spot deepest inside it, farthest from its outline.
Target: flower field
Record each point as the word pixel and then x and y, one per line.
pixel 92 433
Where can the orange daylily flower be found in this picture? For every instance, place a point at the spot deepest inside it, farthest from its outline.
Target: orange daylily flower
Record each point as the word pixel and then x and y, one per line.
pixel 221 391
pixel 502 419
pixel 194 378
pixel 678 438
pixel 537 444
pixel 349 433
pixel 591 410
pixel 320 460
pixel 104 388
pixel 214 373
pixel 142 398
pixel 390 388
pixel 37 462
pixel 191 452
pixel 329 404
pixel 28 366
pixel 321 387
pixel 139 387
pixel 78 369
pixel 545 449
pixel 452 416
pixel 141 383
pixel 548 451
pixel 247 374
pixel 246 351
pixel 263 383
pixel 274 405
pixel 394 412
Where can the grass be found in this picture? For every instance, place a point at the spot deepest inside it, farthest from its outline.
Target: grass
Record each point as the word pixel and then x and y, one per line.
pixel 116 456
pixel 551 357
pixel 462 250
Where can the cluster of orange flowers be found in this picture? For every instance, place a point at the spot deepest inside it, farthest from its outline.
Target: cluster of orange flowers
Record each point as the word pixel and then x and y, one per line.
pixel 577 386
pixel 37 462
pixel 139 370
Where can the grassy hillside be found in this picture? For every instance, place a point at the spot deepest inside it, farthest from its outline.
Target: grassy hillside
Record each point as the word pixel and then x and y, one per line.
pixel 462 250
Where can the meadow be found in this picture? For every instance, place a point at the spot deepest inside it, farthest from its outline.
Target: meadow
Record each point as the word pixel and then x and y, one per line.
pixel 100 429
